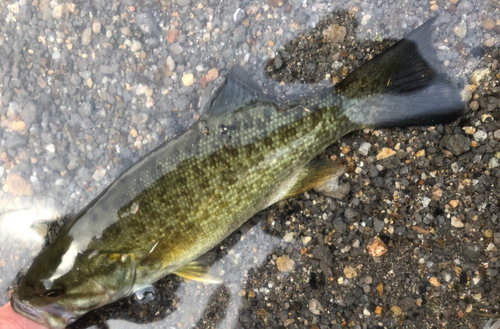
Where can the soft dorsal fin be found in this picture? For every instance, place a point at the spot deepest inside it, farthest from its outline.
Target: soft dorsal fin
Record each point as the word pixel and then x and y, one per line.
pixel 237 91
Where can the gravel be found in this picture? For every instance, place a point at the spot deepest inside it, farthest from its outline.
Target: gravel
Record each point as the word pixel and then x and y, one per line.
pixel 87 89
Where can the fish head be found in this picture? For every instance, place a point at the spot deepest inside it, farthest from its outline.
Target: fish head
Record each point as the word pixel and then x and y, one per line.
pixel 55 295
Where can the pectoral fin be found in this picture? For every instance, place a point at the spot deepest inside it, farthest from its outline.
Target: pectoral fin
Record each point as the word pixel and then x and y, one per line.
pixel 317 174
pixel 198 272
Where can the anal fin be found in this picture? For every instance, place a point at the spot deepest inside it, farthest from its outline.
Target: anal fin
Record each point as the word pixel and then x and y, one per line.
pixel 198 272
pixel 316 174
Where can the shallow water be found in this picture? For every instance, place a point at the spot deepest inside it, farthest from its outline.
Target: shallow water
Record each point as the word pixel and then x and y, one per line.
pixel 76 115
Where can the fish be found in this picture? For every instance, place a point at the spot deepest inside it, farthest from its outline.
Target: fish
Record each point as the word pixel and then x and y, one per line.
pixel 246 152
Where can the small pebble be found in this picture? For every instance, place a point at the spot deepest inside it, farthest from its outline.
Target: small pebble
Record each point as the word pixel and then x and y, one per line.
pixel 364 148
pixel 380 288
pixel 288 237
pixel 378 225
pixel 172 35
pixel 490 42
pixel 136 46
pixel 377 248
pixel 126 31
pixel 455 222
pixel 17 185
pixel 239 15
pixel 480 135
pixel 188 79
pixel 469 130
pixel 365 19
pixel 435 282
pixel 96 27
pixel 488 24
pixel 252 10
pixel 350 272
pixel 315 307
pixel 306 239
pixel 493 163
pixel 474 105
pixel 170 63
pixel 457 144
pixel 212 75
pixel 446 276
pixel 285 264
pixel 479 75
pixel 58 11
pixel 335 33
pixel 99 174
pixel 496 134
pixel 86 36
pixel 385 153
pixel 496 238
pixel 396 310
pixel 461 30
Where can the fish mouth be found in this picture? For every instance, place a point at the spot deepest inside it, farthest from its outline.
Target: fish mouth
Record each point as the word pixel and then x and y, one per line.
pixel 52 316
pixel 27 311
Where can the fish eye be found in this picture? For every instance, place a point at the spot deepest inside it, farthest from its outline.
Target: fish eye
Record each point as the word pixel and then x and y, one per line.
pixel 54 293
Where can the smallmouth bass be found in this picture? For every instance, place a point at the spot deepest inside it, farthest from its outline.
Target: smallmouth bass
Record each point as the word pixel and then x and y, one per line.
pixel 245 153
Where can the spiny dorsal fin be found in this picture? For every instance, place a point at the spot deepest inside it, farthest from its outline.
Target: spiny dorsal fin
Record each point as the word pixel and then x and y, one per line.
pixel 237 91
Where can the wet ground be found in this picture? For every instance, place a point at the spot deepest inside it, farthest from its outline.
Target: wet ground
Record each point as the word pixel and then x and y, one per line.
pixel 88 88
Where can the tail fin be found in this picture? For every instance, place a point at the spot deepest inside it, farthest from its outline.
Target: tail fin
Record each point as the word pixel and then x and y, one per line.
pixel 400 87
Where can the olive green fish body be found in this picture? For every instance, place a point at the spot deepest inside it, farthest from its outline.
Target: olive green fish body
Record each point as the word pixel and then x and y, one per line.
pixel 195 191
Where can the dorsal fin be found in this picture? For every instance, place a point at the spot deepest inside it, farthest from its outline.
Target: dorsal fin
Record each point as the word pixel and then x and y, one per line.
pixel 237 91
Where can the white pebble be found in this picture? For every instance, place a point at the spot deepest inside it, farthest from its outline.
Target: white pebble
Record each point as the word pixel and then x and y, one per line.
pixel 136 46
pixel 364 148
pixel 99 174
pixel 188 79
pixel 480 135
pixel 365 19
pixel 455 222
pixel 493 163
pixel 288 237
pixel 170 63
